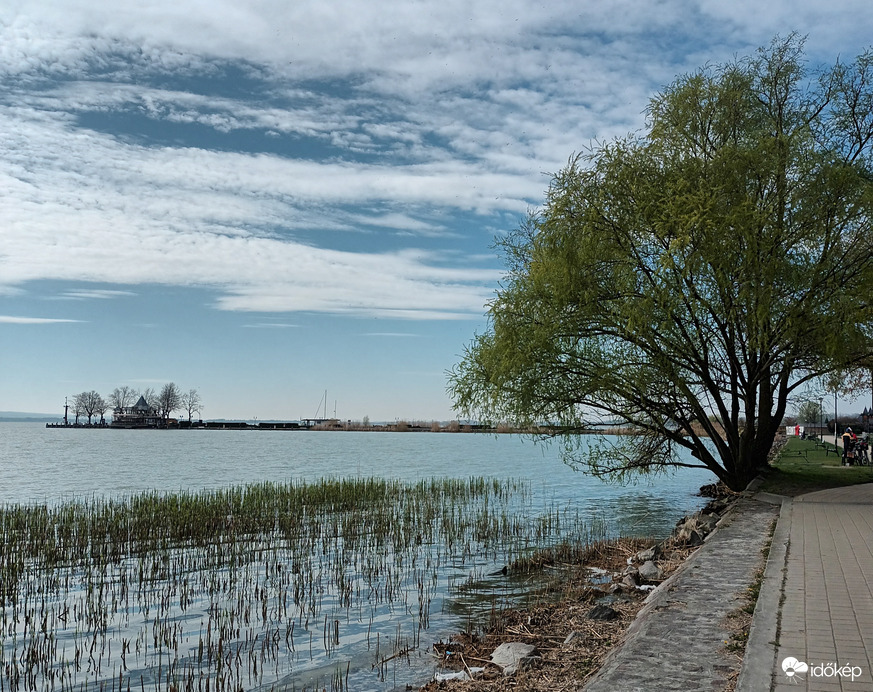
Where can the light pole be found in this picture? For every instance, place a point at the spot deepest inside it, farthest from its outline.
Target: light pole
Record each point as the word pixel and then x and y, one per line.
pixel 836 424
pixel 821 419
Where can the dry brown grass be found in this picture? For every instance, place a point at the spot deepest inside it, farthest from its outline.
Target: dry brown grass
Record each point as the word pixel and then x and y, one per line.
pixel 565 664
pixel 610 554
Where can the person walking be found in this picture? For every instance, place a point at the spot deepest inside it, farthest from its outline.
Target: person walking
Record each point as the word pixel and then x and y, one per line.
pixel 849 439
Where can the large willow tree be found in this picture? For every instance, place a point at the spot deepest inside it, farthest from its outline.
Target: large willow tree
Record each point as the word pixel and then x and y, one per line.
pixel 688 279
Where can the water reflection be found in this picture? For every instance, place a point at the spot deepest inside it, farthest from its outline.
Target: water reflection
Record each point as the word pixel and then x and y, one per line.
pixel 367 644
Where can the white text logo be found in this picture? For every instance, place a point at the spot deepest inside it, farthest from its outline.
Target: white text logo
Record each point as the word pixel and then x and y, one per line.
pixel 793 667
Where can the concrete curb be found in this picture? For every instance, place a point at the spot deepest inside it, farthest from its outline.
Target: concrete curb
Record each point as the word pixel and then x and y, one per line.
pixel 759 660
pixel 661 592
pixel 676 642
pixel 654 602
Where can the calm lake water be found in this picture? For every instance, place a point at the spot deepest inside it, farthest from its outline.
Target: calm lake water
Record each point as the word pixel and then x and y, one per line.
pixel 40 465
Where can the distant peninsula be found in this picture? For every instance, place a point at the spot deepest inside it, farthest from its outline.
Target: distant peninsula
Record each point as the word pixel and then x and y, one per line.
pixel 22 417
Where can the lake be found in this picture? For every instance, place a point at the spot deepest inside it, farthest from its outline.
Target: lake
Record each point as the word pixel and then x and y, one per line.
pixel 52 466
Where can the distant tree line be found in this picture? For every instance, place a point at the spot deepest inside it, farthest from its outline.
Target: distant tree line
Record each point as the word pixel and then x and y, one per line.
pixel 169 399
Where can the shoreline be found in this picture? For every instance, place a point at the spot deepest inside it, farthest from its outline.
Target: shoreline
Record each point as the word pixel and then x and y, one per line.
pixel 292 426
pixel 572 639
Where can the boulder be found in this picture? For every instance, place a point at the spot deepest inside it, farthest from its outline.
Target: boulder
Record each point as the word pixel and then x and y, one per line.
pixel 512 656
pixel 649 571
pixel 688 537
pixel 646 555
pixel 718 506
pixel 603 612
pixel 706 522
pixel 702 523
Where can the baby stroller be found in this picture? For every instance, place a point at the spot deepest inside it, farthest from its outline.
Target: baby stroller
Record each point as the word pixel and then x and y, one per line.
pixel 855 450
pixel 861 450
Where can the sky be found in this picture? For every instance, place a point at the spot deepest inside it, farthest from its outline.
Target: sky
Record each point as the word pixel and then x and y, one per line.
pixel 270 200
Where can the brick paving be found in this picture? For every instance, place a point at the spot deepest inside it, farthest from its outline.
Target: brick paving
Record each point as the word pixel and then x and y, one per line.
pixel 826 614
pixel 815 605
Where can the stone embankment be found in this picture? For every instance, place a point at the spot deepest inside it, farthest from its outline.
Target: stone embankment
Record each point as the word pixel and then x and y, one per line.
pixel 676 638
pixel 690 532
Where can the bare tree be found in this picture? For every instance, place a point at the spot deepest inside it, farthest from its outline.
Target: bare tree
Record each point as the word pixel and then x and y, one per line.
pixel 169 399
pixel 78 406
pixel 101 405
pixel 122 397
pixel 190 401
pixel 89 404
pixel 151 398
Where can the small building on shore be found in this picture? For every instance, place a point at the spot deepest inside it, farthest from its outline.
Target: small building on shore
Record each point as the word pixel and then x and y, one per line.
pixel 140 415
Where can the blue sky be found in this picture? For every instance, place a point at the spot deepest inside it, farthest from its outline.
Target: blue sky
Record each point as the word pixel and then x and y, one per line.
pixel 265 200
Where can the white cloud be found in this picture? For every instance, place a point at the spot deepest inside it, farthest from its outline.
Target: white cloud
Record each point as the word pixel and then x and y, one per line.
pixel 96 294
pixel 402 45
pixel 446 108
pixel 84 206
pixel 403 223
pixel 834 28
pixel 334 157
pixel 11 319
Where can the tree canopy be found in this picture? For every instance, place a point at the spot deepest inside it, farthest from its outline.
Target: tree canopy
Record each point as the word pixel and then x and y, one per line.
pixel 169 399
pixel 687 279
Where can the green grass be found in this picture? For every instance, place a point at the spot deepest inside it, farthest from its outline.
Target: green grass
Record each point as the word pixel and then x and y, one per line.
pixel 805 466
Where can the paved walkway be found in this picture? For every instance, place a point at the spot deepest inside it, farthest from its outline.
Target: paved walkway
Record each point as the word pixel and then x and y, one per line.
pixel 817 599
pixel 677 640
pixel 815 604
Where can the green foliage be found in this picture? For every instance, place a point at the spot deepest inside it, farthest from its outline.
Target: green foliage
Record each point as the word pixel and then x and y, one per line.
pixel 688 280
pixel 810 413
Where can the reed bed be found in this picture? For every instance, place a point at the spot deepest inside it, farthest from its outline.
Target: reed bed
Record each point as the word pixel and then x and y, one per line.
pixel 248 587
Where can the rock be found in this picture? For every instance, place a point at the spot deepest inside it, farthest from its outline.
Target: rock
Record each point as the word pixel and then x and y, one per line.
pixel 512 656
pixel 706 523
pixel 646 555
pixel 631 579
pixel 666 546
pixel 608 599
pixel 603 612
pixel 718 491
pixel 717 506
pixel 710 490
pixel 649 571
pixel 689 538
